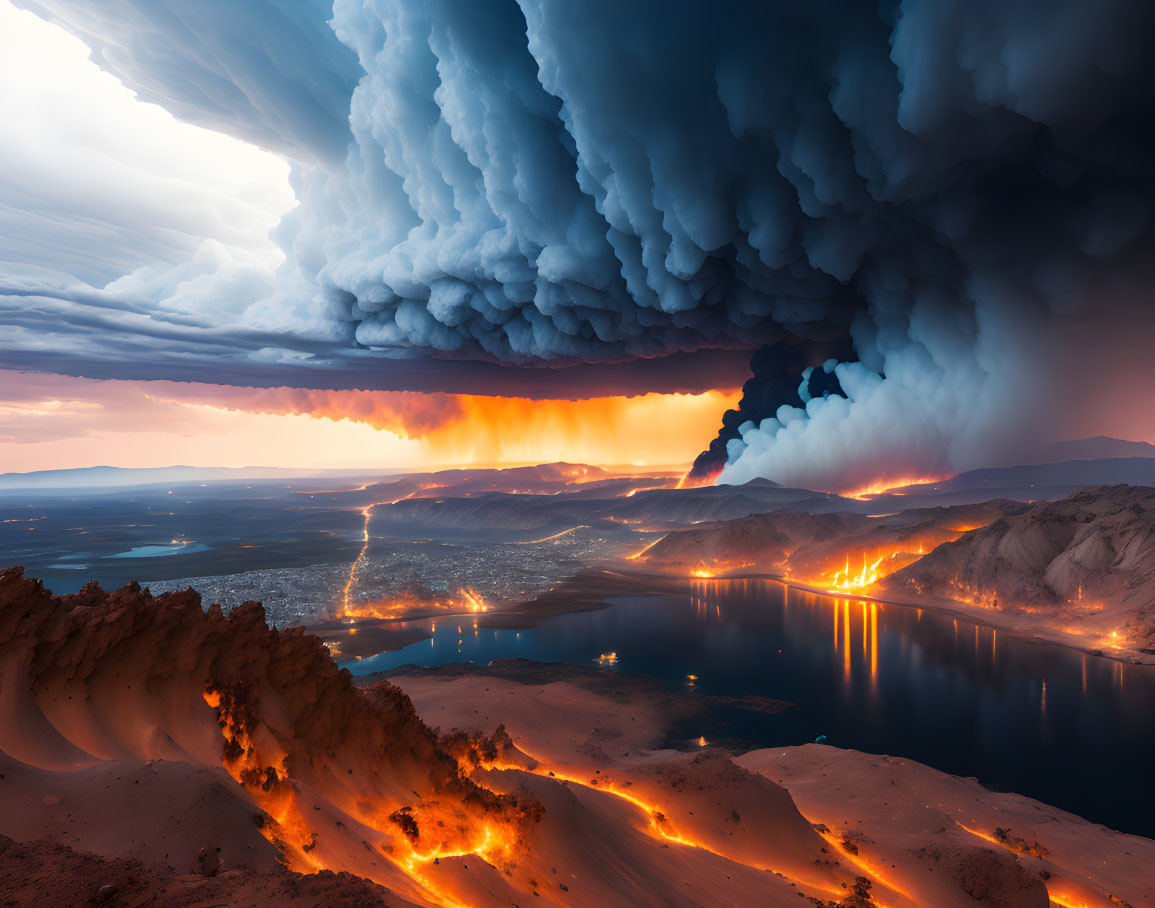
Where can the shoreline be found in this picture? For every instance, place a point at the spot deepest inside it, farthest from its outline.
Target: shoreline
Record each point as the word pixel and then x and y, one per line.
pixel 592 589
pixel 982 617
pixel 974 614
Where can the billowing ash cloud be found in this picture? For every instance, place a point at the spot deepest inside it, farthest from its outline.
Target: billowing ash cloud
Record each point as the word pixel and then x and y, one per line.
pixel 952 185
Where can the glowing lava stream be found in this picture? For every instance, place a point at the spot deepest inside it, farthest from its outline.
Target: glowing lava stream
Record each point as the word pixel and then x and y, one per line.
pixel 415 861
pixel 276 793
pixel 1064 899
pixel 660 828
pixel 365 512
pixel 647 548
pixel 554 536
pixel 880 487
pixel 869 869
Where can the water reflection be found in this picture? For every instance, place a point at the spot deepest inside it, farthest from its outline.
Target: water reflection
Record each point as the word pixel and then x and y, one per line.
pixel 1071 729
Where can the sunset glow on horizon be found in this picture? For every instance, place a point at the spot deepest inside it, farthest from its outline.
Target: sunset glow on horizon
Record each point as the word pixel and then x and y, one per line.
pixel 58 422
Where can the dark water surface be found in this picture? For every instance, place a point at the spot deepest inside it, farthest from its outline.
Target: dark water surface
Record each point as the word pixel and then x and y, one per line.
pixel 1073 730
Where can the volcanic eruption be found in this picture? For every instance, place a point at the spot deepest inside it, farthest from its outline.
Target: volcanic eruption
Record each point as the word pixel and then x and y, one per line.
pixel 572 380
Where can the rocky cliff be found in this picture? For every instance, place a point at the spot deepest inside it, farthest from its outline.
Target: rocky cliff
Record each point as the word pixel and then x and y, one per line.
pixel 1089 556
pixel 151 698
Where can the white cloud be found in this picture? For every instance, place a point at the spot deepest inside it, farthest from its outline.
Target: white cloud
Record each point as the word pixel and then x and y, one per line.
pixel 95 183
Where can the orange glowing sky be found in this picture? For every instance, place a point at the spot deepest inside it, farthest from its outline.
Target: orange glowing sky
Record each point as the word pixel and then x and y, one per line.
pixel 58 422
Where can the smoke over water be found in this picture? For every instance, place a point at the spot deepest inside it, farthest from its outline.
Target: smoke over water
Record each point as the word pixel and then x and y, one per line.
pixel 949 192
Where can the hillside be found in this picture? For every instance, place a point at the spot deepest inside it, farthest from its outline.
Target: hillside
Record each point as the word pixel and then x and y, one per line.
pixel 1088 558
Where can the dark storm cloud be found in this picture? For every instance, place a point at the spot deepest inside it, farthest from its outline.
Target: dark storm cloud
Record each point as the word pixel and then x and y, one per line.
pixel 942 182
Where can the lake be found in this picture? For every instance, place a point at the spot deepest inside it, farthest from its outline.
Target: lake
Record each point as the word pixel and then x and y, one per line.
pixel 1073 730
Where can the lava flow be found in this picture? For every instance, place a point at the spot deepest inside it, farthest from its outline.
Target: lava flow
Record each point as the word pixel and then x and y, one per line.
pixel 266 776
pixel 867 569
pixel 409 604
pixel 346 779
pixel 367 514
pixel 884 486
pixel 456 819
pixel 816 876
pixel 844 580
pixel 250 738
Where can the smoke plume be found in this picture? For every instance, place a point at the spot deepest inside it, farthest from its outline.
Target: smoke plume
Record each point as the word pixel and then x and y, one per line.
pixel 781 378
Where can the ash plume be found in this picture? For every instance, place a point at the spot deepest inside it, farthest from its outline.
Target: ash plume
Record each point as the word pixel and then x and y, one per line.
pixel 960 191
pixel 784 375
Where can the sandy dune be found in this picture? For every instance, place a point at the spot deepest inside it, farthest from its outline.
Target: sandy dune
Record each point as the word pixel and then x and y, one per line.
pixel 140 735
pixel 922 836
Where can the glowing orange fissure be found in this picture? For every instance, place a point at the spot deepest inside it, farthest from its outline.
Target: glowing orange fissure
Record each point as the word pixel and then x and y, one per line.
pixel 646 548
pixel 267 776
pixel 367 514
pixel 660 827
pixel 263 772
pixel 1060 891
pixel 882 486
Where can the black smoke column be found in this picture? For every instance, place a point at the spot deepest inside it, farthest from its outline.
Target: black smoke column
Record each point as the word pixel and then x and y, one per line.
pixel 776 380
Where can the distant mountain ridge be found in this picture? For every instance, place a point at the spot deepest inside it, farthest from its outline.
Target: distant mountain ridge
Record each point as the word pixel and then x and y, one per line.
pixel 1099 447
pixel 106 476
pixel 1030 482
pixel 1062 468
